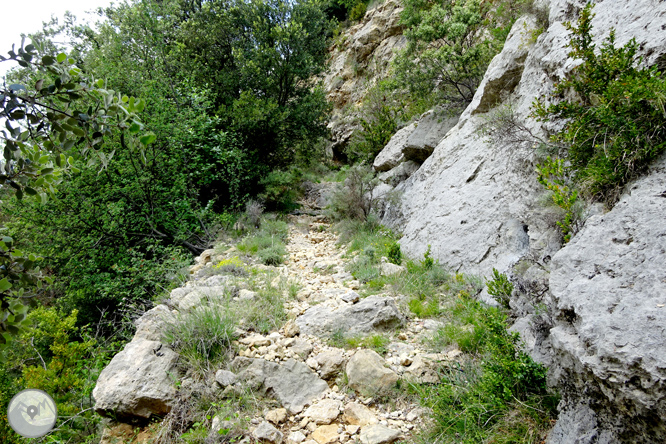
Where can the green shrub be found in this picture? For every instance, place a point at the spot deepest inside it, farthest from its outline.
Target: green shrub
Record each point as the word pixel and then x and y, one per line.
pixel 267 243
pixel 500 288
pixel 552 174
pixel 273 255
pixel 450 44
pixel 281 189
pixel 54 355
pixel 358 11
pixel 394 255
pixel 379 123
pixel 428 262
pixel 354 199
pixel 425 310
pixel 502 398
pixel 615 126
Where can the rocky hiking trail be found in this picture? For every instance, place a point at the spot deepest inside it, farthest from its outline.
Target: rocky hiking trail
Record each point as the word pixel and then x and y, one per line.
pixel 326 394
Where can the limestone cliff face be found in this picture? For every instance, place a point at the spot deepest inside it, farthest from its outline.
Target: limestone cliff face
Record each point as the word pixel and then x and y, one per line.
pixel 479 206
pixel 360 58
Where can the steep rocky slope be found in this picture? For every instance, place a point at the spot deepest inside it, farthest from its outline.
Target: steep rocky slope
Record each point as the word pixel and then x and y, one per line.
pixel 479 206
pixel 360 57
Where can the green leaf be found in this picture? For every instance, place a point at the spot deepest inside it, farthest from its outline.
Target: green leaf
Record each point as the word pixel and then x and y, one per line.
pixel 30 191
pixel 5 285
pixel 100 83
pixel 147 138
pixel 135 128
pixel 61 57
pixel 47 60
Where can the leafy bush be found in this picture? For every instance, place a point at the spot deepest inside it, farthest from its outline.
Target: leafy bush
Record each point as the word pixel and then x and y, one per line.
pixel 380 114
pixel 450 44
pixel 394 255
pixel 54 355
pixel 615 127
pixel 281 189
pixel 502 399
pixel 354 199
pixel 428 262
pixel 500 288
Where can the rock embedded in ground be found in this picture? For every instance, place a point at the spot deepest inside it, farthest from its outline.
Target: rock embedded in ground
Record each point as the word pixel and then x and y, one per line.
pixel 367 373
pixel 378 434
pixel 326 434
pixel 324 411
pixel 246 295
pixel 225 378
pixel 137 382
pixel 432 126
pixel 330 363
pixel 266 433
pixel 292 383
pixel 276 416
pixel 296 437
pixel 201 296
pixel 301 347
pixel 372 314
pixel 389 269
pixel 359 415
pixel 425 368
pixel 291 329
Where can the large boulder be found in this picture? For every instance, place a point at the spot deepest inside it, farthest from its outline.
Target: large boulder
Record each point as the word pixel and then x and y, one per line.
pixel 293 383
pixel 430 129
pixel 609 284
pixel 374 313
pixel 138 382
pixel 391 156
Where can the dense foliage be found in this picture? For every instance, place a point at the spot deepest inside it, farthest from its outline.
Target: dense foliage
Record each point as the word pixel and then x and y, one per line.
pixel 616 124
pixel 230 98
pixel 450 44
pixel 108 209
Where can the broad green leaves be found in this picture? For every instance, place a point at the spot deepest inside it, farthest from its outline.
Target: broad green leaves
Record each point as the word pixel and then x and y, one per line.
pixel 47 131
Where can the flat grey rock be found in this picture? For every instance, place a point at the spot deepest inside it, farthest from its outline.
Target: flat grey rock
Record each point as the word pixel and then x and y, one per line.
pixel 293 383
pixel 374 313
